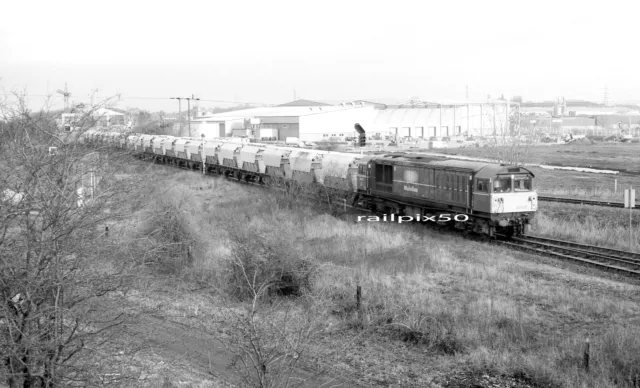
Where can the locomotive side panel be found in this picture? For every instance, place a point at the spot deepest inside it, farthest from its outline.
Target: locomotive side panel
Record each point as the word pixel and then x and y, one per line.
pixel 406 182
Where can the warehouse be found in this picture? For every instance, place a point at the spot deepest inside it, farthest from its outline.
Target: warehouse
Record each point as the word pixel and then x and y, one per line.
pixel 442 120
pixel 308 123
pixel 311 121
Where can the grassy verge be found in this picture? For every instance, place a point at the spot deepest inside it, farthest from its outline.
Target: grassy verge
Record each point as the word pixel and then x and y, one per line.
pixel 607 227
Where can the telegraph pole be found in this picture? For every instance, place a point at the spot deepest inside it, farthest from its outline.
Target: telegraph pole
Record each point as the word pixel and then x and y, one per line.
pixel 188 110
pixel 179 113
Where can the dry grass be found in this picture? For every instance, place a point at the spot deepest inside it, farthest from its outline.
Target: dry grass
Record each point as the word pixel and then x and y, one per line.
pixel 466 304
pixel 589 225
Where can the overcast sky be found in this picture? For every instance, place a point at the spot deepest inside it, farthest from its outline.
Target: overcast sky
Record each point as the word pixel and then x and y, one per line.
pixel 260 51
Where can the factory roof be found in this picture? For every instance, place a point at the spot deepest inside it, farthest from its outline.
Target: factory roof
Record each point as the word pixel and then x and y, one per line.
pixel 277 111
pixel 302 102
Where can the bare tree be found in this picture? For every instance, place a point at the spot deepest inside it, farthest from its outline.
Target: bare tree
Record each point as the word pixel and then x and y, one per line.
pixel 270 334
pixel 58 272
pixel 511 145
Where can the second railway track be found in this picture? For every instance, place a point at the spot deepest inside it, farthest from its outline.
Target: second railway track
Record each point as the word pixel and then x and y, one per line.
pixel 603 258
pixel 579 201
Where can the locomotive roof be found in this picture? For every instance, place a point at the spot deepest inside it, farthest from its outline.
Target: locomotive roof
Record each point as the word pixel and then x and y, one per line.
pixel 481 169
pixel 493 170
pixel 418 160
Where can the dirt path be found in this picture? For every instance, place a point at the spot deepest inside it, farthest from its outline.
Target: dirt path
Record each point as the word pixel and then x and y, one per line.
pixel 187 345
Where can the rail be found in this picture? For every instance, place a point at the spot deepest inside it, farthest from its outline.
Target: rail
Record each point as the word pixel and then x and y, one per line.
pixel 603 258
pixel 583 202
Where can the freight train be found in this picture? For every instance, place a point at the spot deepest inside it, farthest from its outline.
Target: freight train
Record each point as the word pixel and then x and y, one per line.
pixel 491 199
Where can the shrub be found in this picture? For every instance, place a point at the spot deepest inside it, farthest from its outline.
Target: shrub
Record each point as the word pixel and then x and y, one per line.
pixel 170 240
pixel 265 264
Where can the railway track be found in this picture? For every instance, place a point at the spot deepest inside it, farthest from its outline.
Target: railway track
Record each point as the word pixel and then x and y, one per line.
pixel 608 259
pixel 583 202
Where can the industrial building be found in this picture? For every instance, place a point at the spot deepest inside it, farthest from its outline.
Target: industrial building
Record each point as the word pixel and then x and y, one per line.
pixel 104 118
pixel 580 118
pixel 308 123
pixel 447 119
pixel 311 121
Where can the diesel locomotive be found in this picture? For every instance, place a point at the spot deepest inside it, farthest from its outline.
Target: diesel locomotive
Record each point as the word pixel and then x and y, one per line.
pixel 496 198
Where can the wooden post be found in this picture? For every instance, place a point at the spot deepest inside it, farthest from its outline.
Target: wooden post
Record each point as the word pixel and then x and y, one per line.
pixel 631 205
pixel 358 300
pixel 586 355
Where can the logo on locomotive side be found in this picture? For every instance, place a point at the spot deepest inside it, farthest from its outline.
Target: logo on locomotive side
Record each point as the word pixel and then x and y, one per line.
pixel 411 188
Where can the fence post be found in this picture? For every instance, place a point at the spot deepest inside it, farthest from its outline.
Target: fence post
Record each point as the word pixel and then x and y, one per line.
pixel 586 355
pixel 358 300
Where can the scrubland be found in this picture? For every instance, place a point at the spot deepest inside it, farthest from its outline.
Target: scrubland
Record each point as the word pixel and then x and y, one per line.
pixel 436 310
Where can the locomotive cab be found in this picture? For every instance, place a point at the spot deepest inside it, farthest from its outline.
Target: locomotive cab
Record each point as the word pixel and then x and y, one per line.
pixel 507 195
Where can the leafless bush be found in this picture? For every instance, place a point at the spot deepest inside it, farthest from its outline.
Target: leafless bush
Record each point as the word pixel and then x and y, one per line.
pixel 56 274
pixel 167 235
pixel 271 341
pixel 264 263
